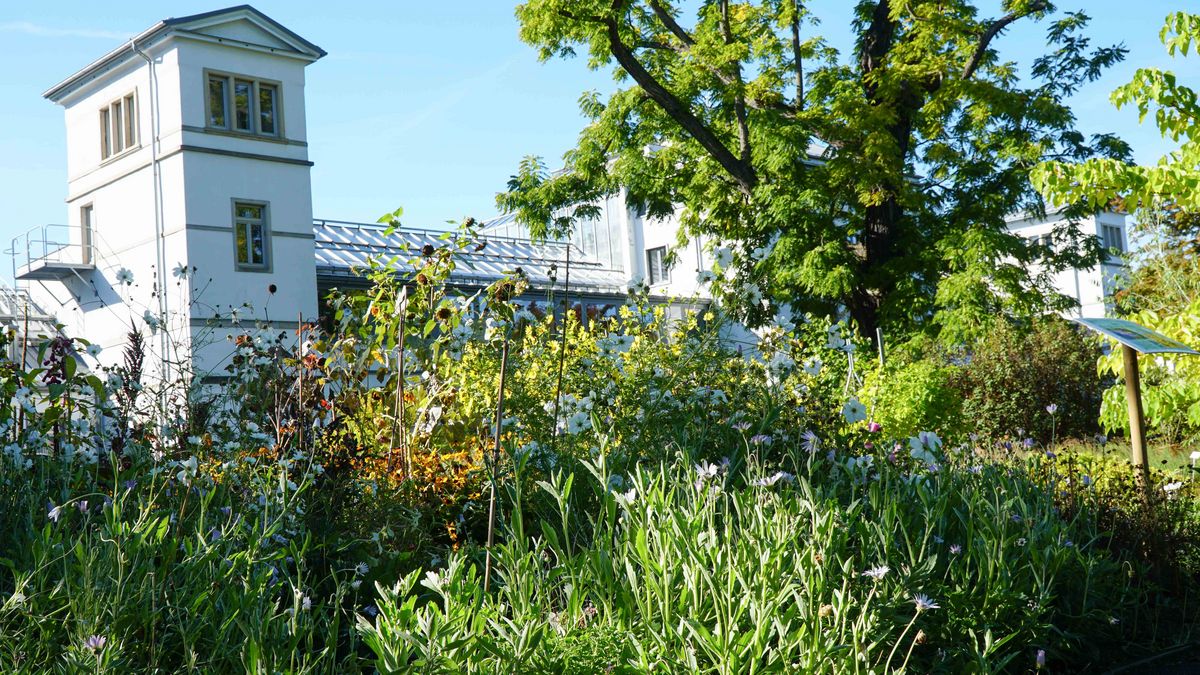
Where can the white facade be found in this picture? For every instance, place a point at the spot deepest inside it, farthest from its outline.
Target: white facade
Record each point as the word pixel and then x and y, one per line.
pixel 1093 288
pixel 154 192
pixel 631 243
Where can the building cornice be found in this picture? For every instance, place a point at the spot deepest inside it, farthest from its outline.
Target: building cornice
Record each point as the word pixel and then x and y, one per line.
pixel 189 27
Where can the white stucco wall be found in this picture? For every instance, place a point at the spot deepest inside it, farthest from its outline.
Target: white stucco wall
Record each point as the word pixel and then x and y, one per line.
pixel 1092 288
pixel 201 173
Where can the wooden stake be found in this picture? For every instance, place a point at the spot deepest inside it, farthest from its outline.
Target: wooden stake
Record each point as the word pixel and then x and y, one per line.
pixel 1137 422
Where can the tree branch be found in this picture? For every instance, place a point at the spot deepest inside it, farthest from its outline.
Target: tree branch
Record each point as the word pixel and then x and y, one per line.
pixel 672 25
pixel 992 31
pixel 797 6
pixel 724 78
pixel 878 39
pixel 742 172
pixel 739 90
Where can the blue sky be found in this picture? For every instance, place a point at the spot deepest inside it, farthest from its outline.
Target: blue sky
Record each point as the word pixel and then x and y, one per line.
pixel 428 105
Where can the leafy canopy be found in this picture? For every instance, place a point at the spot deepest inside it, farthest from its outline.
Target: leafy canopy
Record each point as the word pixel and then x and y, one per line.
pixel 1175 180
pixel 877 181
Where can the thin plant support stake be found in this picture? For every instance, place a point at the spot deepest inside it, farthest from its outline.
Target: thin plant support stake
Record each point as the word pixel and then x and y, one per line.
pixel 398 413
pixel 562 352
pixel 491 532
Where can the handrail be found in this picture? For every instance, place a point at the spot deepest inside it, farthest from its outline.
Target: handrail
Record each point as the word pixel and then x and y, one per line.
pixel 52 243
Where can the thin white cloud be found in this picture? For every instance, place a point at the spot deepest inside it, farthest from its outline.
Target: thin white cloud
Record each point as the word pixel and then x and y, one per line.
pixel 29 28
pixel 455 94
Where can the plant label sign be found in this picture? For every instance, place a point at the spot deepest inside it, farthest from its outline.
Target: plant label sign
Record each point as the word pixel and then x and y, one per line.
pixel 1138 338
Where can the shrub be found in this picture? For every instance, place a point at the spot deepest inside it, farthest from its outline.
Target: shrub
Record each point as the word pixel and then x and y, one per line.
pixel 916 396
pixel 1013 376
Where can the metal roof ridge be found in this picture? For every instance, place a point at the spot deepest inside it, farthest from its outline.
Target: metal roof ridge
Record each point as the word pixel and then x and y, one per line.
pixel 348 224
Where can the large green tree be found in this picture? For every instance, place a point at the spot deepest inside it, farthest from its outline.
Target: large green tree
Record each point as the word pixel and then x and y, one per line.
pixel 877 180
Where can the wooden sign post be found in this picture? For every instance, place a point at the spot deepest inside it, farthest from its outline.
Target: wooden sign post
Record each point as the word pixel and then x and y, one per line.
pixel 1137 421
pixel 1134 340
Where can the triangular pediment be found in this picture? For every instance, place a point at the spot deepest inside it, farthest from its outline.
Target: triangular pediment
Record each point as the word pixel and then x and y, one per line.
pixel 248 26
pixel 243 30
pixel 241 26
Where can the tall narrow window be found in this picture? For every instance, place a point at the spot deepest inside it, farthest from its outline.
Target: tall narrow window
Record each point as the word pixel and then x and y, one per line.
pixel 105 134
pixel 266 109
pixel 217 103
pixel 656 265
pixel 85 234
pixel 130 122
pixel 1113 241
pixel 250 235
pixel 241 105
pixel 118 127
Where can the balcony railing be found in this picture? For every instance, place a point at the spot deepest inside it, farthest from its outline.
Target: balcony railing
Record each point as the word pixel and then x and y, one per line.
pixel 52 252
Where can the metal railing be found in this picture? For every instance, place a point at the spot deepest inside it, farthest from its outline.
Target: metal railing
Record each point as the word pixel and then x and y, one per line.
pixel 67 244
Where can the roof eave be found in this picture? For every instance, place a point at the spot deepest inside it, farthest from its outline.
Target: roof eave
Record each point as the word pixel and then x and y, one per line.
pixel 103 64
pixel 95 69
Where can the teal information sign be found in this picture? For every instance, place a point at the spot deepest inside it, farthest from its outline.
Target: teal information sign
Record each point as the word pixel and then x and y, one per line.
pixel 1138 338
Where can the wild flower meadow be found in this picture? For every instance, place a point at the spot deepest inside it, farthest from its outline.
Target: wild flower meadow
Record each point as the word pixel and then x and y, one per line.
pixel 655 499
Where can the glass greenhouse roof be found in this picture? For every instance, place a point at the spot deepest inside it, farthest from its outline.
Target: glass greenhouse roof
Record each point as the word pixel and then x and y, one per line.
pixel 342 248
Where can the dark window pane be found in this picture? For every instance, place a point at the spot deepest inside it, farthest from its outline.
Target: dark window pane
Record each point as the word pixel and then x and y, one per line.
pixel 249 211
pixel 256 244
pixel 216 102
pixel 241 105
pixel 266 109
pixel 243 256
pixel 130 122
pixel 105 130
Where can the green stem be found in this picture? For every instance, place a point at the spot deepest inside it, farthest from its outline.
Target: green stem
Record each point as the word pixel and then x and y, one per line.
pixel 887 665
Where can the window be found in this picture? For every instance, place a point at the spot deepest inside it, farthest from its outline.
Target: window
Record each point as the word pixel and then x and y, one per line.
pixel 266 108
pixel 656 265
pixel 118 127
pixel 244 105
pixel 85 234
pixel 1113 241
pixel 216 102
pixel 250 235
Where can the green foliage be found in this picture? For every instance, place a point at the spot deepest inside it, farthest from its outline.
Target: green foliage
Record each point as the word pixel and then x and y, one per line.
pixel 676 504
pixel 877 180
pixel 707 571
pixel 914 397
pixel 1165 275
pixel 1170 383
pixel 1163 529
pixel 129 547
pixel 1012 377
pixel 1174 179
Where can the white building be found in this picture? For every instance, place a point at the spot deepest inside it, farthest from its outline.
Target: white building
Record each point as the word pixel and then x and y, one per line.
pixel 189 198
pixel 186 151
pixel 1091 288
